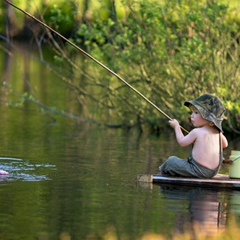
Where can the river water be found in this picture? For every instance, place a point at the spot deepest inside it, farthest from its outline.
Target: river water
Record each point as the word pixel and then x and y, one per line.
pixel 70 180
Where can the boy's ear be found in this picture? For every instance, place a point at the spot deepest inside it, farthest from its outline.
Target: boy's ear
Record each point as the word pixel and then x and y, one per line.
pixel 211 124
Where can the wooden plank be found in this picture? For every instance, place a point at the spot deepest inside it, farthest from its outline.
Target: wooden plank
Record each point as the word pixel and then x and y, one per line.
pixel 219 181
pixel 145 178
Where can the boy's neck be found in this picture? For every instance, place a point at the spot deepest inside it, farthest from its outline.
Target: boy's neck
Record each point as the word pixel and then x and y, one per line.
pixel 210 127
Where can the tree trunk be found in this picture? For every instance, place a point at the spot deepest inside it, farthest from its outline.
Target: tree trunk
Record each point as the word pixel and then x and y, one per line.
pixel 12 28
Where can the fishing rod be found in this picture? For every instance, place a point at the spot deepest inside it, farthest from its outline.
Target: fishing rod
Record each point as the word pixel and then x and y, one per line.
pixel 94 59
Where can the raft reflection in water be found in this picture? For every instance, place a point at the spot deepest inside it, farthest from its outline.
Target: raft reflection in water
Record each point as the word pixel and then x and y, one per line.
pixel 205 213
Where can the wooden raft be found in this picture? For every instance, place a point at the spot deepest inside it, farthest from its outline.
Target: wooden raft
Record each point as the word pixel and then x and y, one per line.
pixel 219 181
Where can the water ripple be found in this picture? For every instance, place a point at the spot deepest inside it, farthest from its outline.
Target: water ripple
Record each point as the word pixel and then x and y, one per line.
pixel 21 170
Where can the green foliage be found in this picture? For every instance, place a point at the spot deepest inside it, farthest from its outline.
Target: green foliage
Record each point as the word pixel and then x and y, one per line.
pixel 170 52
pixel 2 16
pixel 61 15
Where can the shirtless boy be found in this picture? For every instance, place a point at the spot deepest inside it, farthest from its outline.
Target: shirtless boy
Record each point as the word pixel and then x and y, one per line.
pixel 207 139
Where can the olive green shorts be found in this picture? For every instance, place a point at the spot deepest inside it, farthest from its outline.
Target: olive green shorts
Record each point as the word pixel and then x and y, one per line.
pixel 176 166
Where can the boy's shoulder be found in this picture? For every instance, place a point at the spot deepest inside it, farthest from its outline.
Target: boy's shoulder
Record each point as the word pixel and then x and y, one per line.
pixel 203 130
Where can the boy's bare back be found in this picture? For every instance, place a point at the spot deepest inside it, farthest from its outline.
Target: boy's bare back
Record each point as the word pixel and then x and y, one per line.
pixel 206 147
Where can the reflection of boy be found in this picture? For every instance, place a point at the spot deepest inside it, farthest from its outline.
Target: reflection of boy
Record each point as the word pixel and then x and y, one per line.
pixel 207 139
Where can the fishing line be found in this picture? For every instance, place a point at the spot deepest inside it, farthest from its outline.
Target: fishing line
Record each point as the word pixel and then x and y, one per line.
pixel 95 60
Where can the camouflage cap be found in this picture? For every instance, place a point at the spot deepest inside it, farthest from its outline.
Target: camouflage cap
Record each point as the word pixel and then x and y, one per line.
pixel 210 108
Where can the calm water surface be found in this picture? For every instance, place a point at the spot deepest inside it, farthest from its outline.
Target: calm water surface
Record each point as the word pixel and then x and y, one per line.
pixel 78 181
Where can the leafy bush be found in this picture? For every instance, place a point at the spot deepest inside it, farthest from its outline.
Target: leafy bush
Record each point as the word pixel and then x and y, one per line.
pixel 171 52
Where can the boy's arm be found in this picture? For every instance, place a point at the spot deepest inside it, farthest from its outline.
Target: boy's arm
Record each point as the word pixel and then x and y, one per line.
pixel 224 141
pixel 183 141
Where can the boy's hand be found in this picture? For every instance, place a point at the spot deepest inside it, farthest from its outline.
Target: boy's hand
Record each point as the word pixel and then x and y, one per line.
pixel 174 123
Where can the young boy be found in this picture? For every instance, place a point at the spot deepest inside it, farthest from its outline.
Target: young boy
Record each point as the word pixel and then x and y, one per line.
pixel 207 139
